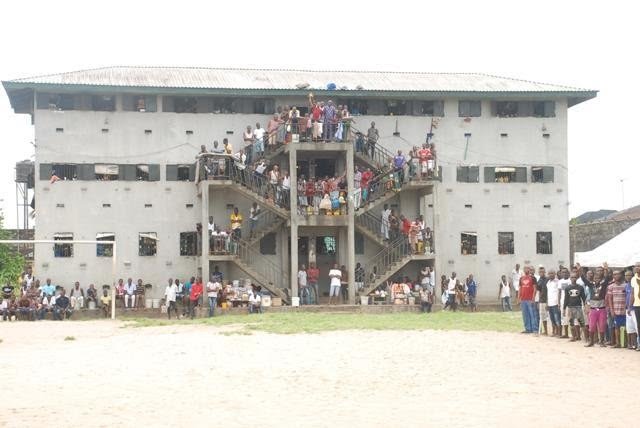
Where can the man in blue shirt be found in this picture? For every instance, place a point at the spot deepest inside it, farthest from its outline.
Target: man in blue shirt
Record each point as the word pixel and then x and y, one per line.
pixel 398 167
pixel 472 292
pixel 48 288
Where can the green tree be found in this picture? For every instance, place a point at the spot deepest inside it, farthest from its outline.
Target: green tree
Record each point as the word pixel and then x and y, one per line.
pixel 11 262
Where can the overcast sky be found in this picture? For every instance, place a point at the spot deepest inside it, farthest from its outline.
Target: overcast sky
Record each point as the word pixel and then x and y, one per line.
pixel 585 44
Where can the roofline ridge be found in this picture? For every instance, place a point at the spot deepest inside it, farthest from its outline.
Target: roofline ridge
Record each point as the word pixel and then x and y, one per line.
pixel 574 88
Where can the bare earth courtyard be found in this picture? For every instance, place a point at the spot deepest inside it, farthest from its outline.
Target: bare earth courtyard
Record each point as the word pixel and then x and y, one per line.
pixel 201 375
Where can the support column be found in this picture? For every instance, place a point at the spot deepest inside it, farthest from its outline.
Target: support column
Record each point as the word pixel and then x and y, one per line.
pixel 204 259
pixel 351 239
pixel 293 207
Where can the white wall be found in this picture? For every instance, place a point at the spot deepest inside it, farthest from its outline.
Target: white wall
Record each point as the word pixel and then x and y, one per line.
pixel 83 141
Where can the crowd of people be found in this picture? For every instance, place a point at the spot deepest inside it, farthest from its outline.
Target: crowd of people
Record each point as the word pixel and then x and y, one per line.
pixel 33 300
pixel 184 298
pixel 418 235
pixel 594 305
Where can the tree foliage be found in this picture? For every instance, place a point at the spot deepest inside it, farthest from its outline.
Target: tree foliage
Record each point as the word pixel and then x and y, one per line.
pixel 11 262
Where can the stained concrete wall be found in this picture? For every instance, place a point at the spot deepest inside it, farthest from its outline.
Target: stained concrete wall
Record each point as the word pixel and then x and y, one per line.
pixel 83 141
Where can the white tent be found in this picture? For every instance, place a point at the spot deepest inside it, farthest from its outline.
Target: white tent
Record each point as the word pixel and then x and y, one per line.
pixel 620 251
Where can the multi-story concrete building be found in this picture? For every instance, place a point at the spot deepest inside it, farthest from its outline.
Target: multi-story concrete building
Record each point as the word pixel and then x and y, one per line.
pixel 123 142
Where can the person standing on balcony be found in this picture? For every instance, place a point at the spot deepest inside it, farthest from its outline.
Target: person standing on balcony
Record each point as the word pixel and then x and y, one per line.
pixel 357 191
pixel 258 145
pixel 317 110
pixel 367 175
pixel 228 148
pixel 398 167
pixel 423 154
pixel 236 224
pixel 394 225
pixel 247 137
pixel 272 130
pixel 286 190
pixel 372 138
pixel 253 218
pixel 384 225
pixel 329 115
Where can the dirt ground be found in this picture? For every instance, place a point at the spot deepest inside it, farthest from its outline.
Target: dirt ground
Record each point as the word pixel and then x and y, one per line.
pixel 203 376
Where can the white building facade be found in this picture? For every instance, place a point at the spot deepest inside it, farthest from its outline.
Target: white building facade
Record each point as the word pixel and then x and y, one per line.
pixel 127 172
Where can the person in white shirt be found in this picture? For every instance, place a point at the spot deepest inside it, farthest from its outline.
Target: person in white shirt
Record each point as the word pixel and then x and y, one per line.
pixel 253 218
pixel 553 302
pixel 515 279
pixel 286 189
pixel 564 283
pixel 258 145
pixel 384 226
pixel 504 293
pixel 334 283
pixel 212 293
pixel 255 300
pixel 452 284
pixel 129 294
pixel 170 296
pixel 357 188
pixel 302 285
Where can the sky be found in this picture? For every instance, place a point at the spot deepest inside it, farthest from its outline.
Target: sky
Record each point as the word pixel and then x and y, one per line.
pixel 584 44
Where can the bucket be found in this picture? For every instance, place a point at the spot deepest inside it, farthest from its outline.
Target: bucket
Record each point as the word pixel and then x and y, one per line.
pixel 266 301
pixel 295 301
pixel 148 303
pixel 364 300
pixel 92 305
pixel 155 303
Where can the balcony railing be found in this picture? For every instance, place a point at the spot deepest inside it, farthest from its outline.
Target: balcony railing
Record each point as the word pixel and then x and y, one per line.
pixel 212 166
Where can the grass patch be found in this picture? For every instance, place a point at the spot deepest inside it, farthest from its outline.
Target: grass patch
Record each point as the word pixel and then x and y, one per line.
pixel 291 323
pixel 69 338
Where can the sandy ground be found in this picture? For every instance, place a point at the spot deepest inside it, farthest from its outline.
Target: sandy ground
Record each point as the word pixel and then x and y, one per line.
pixel 197 376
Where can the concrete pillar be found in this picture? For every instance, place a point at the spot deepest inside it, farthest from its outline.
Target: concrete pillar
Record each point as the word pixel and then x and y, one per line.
pixel 205 232
pixel 293 161
pixel 351 239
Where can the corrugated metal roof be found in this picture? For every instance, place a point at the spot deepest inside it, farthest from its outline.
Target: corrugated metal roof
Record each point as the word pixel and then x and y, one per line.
pixel 271 79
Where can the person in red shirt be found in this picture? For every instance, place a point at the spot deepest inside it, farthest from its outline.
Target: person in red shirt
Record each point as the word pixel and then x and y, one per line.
pixel 194 296
pixel 526 296
pixel 313 273
pixel 406 225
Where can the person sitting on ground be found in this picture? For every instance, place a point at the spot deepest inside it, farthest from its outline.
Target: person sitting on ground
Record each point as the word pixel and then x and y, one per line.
pixel 62 308
pixel 130 294
pixel 76 296
pixel 25 309
pixel 120 292
pixel 255 300
pixel 92 295
pixel 105 303
pixel 45 305
pixel 9 308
